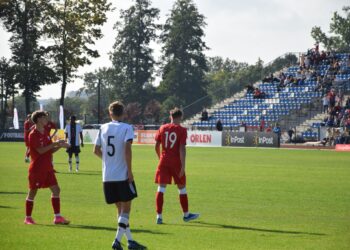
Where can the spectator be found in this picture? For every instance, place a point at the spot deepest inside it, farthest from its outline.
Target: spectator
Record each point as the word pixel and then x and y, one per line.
pixel 258 94
pixel 219 125
pixel 250 89
pixel 290 134
pixel 204 115
pixel 325 102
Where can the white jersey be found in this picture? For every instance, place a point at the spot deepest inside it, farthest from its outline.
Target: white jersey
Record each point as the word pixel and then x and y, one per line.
pixel 78 129
pixel 112 138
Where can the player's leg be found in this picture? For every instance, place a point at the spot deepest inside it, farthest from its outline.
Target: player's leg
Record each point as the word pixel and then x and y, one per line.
pixel 70 154
pixel 159 202
pixel 124 226
pixel 56 205
pixel 29 206
pixel 184 204
pixel 77 161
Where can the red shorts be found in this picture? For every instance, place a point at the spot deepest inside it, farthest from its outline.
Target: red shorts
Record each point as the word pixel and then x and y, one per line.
pixel 168 170
pixel 27 143
pixel 42 179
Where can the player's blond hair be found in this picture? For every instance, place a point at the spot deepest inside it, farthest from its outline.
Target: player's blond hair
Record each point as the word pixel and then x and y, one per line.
pixel 116 108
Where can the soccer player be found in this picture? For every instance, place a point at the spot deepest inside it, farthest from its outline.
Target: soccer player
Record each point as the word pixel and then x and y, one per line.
pixel 72 131
pixel 41 174
pixel 113 146
pixel 172 161
pixel 50 125
pixel 28 126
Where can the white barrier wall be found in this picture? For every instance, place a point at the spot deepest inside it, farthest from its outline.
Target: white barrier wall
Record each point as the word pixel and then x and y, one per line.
pixel 90 135
pixel 204 138
pixel 194 138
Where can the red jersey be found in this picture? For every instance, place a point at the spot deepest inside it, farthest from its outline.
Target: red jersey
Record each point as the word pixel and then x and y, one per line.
pixel 39 162
pixel 28 124
pixel 50 125
pixel 171 136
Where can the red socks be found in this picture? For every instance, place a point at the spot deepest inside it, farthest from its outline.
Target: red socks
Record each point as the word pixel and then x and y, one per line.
pixel 29 207
pixel 55 201
pixel 159 202
pixel 184 202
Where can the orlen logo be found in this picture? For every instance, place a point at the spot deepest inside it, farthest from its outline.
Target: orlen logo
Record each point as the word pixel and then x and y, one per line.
pixel 266 140
pixel 237 139
pixel 200 138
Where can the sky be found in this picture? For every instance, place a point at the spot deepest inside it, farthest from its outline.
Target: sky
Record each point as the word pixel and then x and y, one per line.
pixel 240 30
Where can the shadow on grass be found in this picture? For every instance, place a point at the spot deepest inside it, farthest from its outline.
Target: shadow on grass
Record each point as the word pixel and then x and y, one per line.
pixel 7 207
pixel 89 227
pixel 213 225
pixel 12 192
pixel 80 173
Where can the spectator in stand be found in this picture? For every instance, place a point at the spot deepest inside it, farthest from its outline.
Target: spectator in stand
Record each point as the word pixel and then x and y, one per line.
pixel 347 103
pixel 329 121
pixel 325 102
pixel 258 94
pixel 219 125
pixel 250 89
pixel 331 98
pixel 204 115
pixel 307 62
pixel 302 61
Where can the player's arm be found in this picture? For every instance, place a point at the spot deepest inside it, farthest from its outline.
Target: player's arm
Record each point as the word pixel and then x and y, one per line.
pixel 53 147
pixel 98 151
pixel 128 159
pixel 182 159
pixel 157 148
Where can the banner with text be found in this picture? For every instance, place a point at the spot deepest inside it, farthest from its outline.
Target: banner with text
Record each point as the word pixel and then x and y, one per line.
pixel 11 135
pixel 250 139
pixel 204 138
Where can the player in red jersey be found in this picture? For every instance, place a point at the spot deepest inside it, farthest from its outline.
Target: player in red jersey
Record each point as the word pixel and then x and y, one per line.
pixel 41 173
pixel 50 125
pixel 28 126
pixel 172 137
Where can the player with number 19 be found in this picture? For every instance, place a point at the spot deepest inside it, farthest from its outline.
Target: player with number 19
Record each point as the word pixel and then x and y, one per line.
pixel 172 138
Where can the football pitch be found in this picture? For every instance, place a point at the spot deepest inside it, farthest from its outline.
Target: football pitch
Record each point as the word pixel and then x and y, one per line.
pixel 247 198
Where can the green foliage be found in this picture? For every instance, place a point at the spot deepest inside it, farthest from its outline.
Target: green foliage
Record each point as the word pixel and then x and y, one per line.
pixel 247 200
pixel 74 26
pixel 184 62
pixel 339 30
pixel 132 58
pixel 24 20
pixel 8 89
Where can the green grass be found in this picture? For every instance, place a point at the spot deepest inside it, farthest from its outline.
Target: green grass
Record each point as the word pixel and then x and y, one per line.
pixel 248 199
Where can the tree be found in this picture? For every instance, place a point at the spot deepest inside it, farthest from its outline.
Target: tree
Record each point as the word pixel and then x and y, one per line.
pixel 8 89
pixel 24 19
pixel 107 95
pixel 132 59
pixel 152 112
pixel 74 26
pixel 184 63
pixel 340 32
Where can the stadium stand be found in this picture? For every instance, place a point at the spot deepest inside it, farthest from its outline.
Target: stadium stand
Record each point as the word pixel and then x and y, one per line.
pixel 292 102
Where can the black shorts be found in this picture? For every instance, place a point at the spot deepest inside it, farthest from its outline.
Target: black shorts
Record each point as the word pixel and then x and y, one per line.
pixel 119 191
pixel 73 150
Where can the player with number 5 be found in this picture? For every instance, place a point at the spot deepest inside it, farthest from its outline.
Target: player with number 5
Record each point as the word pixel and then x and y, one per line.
pixel 113 146
pixel 172 137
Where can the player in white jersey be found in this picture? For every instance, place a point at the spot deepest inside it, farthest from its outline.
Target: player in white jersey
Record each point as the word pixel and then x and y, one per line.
pixel 113 146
